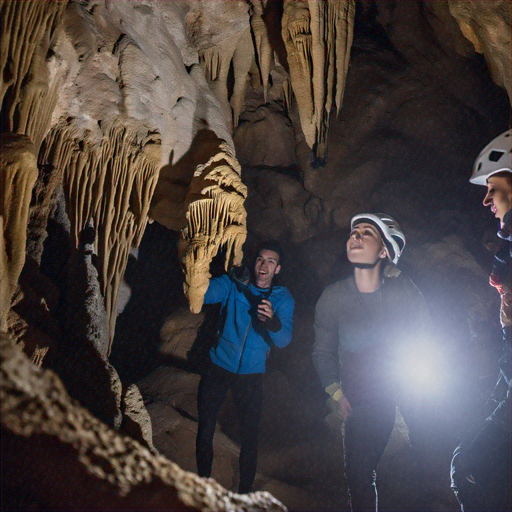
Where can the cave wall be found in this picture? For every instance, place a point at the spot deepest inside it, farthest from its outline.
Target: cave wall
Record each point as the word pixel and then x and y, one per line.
pixel 223 121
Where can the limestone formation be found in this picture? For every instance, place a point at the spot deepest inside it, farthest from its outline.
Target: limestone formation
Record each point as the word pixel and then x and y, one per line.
pixel 109 181
pixel 118 105
pixel 31 320
pixel 264 51
pixel 318 37
pixel 28 93
pixel 216 219
pixel 488 26
pixel 18 173
pixel 136 420
pixel 218 51
pixel 81 358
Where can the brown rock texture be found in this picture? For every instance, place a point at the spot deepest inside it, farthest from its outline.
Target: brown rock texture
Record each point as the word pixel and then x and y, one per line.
pixel 488 26
pixel 18 168
pixel 70 461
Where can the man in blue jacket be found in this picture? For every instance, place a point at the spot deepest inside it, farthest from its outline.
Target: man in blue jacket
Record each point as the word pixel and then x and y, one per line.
pixel 256 315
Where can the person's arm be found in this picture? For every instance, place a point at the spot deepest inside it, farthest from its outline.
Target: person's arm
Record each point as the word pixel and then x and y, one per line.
pixel 326 355
pixel 218 290
pixel 279 323
pixel 325 349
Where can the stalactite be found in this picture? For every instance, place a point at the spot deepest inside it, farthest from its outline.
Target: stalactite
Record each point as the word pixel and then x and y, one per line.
pixel 242 60
pixel 318 37
pixel 18 173
pixel 110 183
pixel 216 218
pixel 262 44
pixel 287 94
pixel 28 28
pixel 215 62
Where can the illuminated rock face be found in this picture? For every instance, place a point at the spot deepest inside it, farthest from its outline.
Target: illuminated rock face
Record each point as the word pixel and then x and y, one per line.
pixel 210 118
pixel 108 183
pixel 216 219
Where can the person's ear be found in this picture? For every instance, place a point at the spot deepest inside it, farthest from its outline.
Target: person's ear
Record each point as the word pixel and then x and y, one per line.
pixel 384 253
pixel 278 269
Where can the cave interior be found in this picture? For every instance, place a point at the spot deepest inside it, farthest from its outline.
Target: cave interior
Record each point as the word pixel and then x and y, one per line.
pixel 148 145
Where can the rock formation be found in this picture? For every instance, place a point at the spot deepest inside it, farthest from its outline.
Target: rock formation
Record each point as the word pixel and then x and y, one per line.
pixel 81 463
pixel 488 26
pixel 318 38
pixel 18 170
pixel 216 219
pixel 109 183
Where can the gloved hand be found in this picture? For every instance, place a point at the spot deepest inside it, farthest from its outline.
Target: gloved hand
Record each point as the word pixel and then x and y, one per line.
pixel 240 274
pixel 337 401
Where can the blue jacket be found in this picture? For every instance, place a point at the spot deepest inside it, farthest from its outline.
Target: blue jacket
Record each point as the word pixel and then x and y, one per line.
pixel 242 348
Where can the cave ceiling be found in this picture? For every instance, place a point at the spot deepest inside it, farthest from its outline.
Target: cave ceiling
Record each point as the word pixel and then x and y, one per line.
pixel 202 127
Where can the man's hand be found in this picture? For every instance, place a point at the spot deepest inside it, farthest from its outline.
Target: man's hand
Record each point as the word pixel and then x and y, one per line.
pixel 265 310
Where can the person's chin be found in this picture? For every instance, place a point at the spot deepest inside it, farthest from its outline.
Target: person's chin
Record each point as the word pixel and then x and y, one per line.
pixel 358 261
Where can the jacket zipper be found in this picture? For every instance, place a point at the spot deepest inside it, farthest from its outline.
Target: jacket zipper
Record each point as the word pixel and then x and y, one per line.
pixel 243 346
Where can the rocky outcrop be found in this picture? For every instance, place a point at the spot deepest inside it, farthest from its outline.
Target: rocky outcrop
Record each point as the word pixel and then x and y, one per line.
pixel 487 25
pixel 53 450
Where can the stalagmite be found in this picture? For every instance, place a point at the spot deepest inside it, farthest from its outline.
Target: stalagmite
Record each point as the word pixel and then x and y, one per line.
pixel 18 173
pixel 216 219
pixel 318 37
pixel 110 182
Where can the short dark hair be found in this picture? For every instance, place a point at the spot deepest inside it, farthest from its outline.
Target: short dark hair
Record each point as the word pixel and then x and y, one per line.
pixel 271 245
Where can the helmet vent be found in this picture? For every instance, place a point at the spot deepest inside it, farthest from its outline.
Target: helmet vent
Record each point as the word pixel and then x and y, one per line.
pixel 494 155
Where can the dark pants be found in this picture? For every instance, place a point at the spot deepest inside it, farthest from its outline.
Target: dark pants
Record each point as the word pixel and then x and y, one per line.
pixel 481 467
pixel 367 432
pixel 247 394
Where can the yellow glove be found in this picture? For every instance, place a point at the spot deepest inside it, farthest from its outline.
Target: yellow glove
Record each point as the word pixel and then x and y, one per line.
pixel 334 391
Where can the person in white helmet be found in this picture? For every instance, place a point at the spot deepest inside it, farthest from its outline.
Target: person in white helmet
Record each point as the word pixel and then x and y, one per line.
pixel 360 323
pixel 480 467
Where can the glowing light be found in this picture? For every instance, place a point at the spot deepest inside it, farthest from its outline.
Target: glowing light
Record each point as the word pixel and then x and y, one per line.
pixel 422 367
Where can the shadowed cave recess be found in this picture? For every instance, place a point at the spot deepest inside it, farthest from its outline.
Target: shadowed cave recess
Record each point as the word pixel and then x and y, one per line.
pixel 148 145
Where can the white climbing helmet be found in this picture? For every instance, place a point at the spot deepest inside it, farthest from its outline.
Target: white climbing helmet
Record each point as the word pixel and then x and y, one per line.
pixel 495 157
pixel 392 236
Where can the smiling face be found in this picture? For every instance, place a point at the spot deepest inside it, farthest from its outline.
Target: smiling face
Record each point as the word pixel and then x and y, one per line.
pixel 365 245
pixel 499 195
pixel 266 267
